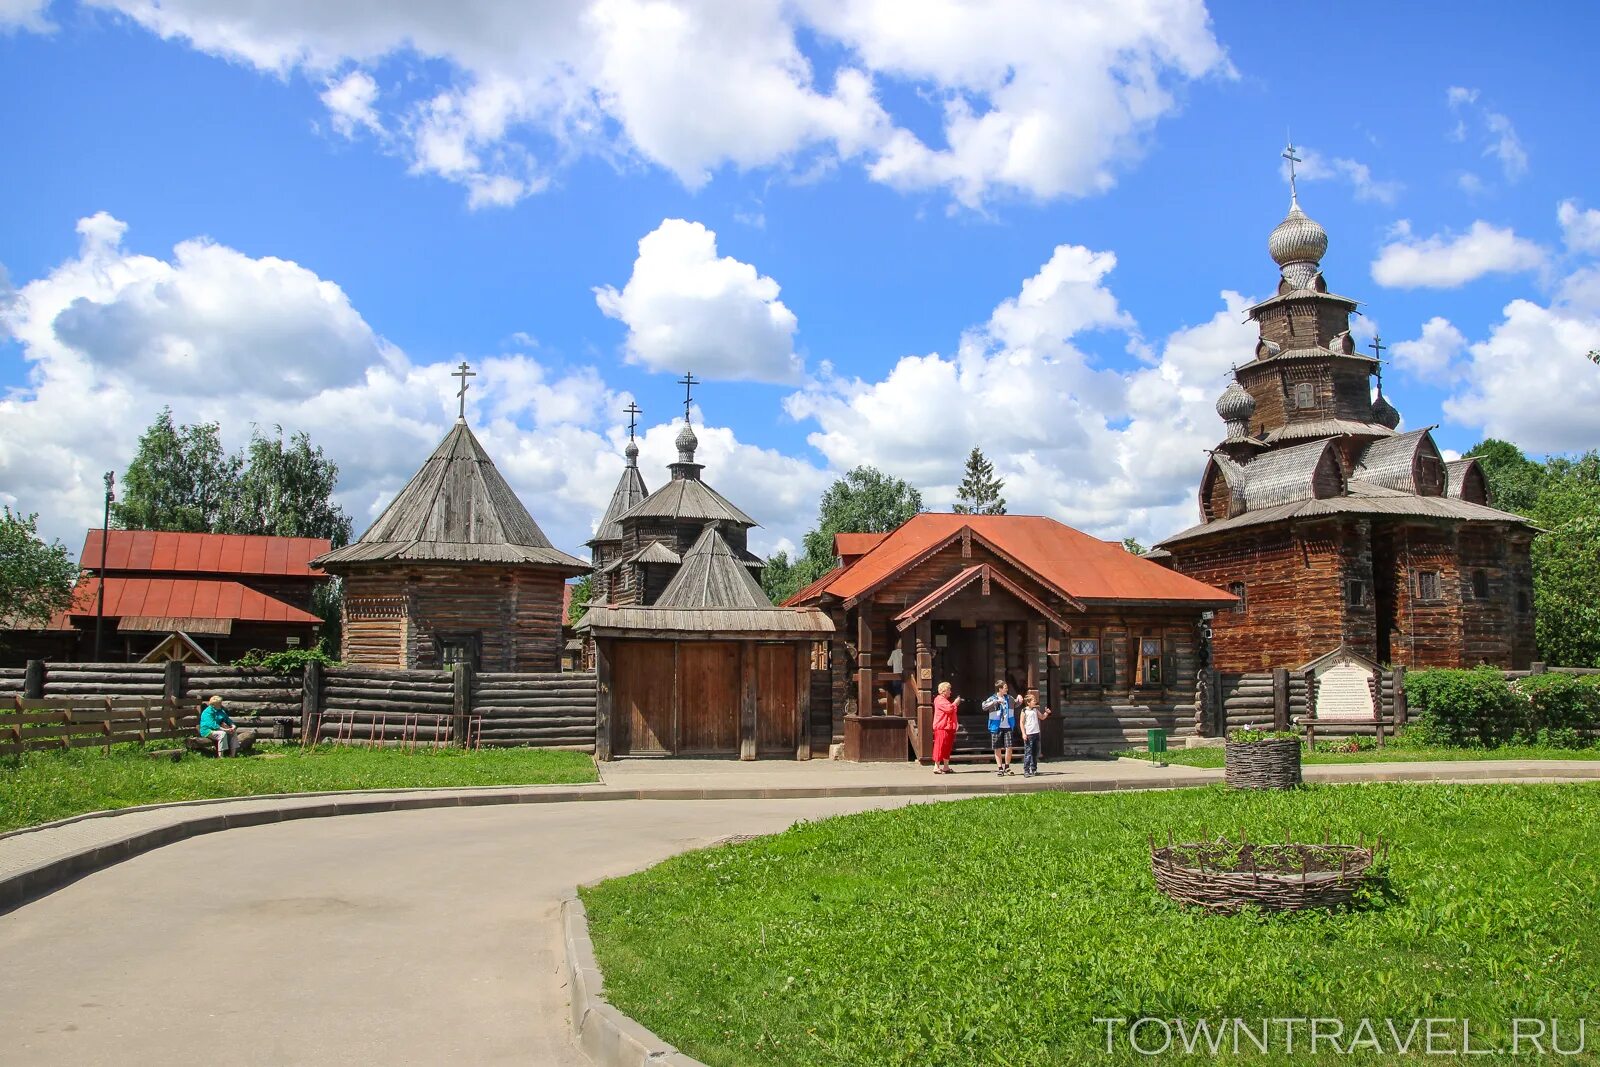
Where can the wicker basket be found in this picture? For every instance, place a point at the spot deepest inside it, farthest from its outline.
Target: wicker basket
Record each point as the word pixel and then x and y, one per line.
pixel 1224 878
pixel 1273 764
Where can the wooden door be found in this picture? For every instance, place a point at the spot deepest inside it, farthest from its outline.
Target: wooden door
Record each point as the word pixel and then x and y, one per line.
pixel 777 700
pixel 708 698
pixel 643 698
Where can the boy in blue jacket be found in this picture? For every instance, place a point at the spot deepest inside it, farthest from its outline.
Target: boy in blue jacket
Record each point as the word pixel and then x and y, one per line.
pixel 1002 721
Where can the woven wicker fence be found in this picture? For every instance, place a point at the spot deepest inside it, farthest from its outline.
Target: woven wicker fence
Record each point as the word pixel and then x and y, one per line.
pixel 1223 877
pixel 1273 764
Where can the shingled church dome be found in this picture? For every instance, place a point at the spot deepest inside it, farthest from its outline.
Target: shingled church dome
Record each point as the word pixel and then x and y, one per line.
pixel 632 451
pixel 1235 405
pixel 687 442
pixel 1297 246
pixel 1384 413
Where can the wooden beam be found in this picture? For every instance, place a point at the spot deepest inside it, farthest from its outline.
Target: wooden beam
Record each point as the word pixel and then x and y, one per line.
pixel 602 699
pixel 802 700
pixel 748 680
pixel 865 697
pixel 1280 698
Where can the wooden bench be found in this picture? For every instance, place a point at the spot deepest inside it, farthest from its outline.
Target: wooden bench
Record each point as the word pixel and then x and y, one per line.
pixel 1308 725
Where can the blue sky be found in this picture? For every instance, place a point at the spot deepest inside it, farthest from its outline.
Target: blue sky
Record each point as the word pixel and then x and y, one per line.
pixel 1015 231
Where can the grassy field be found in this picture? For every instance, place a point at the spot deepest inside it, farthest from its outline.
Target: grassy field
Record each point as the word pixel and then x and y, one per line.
pixel 1213 757
pixel 40 786
pixel 995 931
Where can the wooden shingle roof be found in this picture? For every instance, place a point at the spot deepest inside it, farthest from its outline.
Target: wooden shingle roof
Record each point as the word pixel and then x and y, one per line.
pixel 688 500
pixel 456 509
pixel 630 490
pixel 711 576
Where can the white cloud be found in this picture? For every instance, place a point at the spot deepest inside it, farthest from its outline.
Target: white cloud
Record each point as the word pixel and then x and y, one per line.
pixel 1531 381
pixel 24 15
pixel 688 309
pixel 1445 261
pixel 1037 99
pixel 1434 353
pixel 1580 227
pixel 1314 167
pixel 349 102
pixel 1498 133
pixel 1112 452
pixel 111 335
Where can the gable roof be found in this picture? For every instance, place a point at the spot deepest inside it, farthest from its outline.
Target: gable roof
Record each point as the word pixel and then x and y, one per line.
pixel 851 546
pixel 1392 462
pixel 183 598
pixel 204 553
pixel 1069 561
pixel 456 509
pixel 711 576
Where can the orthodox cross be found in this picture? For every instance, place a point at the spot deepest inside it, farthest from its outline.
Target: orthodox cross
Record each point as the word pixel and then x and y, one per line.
pixel 1377 347
pixel 688 381
pixel 463 373
pixel 633 411
pixel 1293 158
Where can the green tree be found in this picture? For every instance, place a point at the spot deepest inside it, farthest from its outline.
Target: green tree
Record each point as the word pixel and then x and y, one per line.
pixel 286 491
pixel 582 590
pixel 1133 546
pixel 179 479
pixel 35 578
pixel 979 491
pixel 1514 479
pixel 865 500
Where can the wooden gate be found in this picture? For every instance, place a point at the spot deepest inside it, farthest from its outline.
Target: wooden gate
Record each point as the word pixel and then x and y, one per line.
pixel 777 700
pixel 644 698
pixel 708 698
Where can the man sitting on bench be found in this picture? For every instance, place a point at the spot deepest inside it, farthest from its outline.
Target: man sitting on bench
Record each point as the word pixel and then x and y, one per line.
pixel 218 727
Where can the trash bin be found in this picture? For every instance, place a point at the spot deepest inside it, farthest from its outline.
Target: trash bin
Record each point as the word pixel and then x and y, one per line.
pixel 1157 741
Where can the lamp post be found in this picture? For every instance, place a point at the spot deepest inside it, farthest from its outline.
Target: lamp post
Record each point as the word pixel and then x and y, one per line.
pixel 105 538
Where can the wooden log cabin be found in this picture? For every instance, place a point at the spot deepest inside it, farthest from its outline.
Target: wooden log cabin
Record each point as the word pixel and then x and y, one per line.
pixel 1111 641
pixel 1333 529
pixel 454 570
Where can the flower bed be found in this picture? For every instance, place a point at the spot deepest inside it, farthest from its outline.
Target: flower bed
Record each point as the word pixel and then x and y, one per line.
pixel 1256 760
pixel 1224 877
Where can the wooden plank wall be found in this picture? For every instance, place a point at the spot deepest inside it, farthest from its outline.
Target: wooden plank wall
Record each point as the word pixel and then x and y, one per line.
pixel 537 710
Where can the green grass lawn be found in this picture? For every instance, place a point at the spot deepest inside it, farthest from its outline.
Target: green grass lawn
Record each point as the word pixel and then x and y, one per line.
pixel 40 786
pixel 994 931
pixel 1213 757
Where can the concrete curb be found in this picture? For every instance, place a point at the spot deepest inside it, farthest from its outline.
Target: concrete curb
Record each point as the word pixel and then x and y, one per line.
pixel 606 1035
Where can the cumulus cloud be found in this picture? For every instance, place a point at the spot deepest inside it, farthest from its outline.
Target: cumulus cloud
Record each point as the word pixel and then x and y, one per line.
pixel 1114 452
pixel 1580 227
pixel 24 15
pixel 1036 99
pixel 1433 353
pixel 1444 261
pixel 686 308
pixel 349 102
pixel 111 335
pixel 1315 167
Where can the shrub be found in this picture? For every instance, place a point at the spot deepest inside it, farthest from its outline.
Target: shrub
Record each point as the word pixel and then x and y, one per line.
pixel 1244 735
pixel 1465 709
pixel 1562 711
pixel 289 661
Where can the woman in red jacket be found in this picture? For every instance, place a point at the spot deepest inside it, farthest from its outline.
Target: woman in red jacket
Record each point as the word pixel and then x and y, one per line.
pixel 944 728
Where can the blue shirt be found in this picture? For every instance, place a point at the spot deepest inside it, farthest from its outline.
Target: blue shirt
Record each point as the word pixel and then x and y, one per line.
pixel 1001 715
pixel 211 717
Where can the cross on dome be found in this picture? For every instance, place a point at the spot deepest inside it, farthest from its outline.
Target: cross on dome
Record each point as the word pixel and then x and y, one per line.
pixel 461 395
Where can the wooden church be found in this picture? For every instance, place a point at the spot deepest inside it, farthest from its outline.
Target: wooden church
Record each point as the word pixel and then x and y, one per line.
pixel 454 570
pixel 1332 527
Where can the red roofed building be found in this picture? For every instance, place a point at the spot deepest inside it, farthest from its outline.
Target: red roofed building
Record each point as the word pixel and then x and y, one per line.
pixel 1110 640
pixel 228 593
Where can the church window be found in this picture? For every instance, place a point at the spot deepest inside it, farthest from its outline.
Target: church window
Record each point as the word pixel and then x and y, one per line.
pixel 1428 585
pixel 1355 592
pixel 1480 584
pixel 458 648
pixel 1085 661
pixel 1236 589
pixel 1305 396
pixel 1149 661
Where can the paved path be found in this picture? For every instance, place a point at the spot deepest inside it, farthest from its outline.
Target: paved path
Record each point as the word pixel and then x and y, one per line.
pixel 418 936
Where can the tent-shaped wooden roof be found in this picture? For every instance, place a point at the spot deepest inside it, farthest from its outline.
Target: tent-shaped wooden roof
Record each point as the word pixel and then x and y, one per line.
pixel 630 490
pixel 456 509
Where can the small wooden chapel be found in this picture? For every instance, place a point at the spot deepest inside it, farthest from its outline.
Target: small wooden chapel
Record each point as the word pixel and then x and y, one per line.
pixel 455 570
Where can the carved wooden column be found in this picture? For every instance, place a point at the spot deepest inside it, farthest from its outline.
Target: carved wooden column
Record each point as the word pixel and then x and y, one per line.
pixel 922 670
pixel 866 703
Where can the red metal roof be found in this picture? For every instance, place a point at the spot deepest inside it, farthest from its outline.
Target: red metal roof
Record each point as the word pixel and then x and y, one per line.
pixel 851 545
pixel 1076 564
pixel 204 553
pixel 185 597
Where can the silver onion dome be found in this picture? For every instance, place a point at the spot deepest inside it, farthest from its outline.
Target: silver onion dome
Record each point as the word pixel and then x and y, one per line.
pixel 1383 412
pixel 632 452
pixel 1297 245
pixel 1236 405
pixel 687 442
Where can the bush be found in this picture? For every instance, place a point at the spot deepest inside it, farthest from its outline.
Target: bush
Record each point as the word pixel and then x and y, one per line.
pixel 1244 735
pixel 1562 711
pixel 289 661
pixel 1465 709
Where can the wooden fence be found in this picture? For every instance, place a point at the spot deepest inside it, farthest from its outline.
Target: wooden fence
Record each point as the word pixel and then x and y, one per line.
pixel 1273 700
pixel 85 722
pixel 347 705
